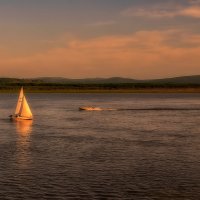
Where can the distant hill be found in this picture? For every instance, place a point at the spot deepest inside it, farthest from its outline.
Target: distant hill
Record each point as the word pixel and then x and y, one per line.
pixel 114 80
pixel 179 80
pixel 87 80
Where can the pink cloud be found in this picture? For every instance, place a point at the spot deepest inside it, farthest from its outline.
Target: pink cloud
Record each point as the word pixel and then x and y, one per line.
pixel 193 11
pixel 144 54
pixel 164 10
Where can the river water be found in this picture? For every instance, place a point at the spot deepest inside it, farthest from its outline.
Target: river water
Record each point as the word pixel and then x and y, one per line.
pixel 147 147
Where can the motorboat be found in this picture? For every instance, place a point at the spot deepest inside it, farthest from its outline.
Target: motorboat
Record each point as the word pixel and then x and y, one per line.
pixel 89 108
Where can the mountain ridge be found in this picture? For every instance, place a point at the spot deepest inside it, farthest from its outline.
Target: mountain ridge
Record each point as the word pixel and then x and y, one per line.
pixel 195 79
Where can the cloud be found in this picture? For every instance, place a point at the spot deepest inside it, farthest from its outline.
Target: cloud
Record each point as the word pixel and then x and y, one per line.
pixel 165 10
pixel 102 23
pixel 153 11
pixel 193 11
pixel 195 2
pixel 144 54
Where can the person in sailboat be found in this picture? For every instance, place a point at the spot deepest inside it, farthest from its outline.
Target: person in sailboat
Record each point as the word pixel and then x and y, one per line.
pixel 22 111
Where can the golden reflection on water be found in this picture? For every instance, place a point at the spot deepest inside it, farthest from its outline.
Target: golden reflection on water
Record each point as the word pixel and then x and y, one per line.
pixel 23 129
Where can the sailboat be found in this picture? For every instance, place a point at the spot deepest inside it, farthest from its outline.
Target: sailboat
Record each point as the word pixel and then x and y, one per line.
pixel 22 111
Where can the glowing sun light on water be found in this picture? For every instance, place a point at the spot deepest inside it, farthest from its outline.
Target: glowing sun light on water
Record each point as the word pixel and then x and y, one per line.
pixel 24 129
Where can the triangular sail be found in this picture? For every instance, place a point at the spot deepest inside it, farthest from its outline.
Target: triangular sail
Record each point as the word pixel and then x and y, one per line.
pixel 25 110
pixel 19 102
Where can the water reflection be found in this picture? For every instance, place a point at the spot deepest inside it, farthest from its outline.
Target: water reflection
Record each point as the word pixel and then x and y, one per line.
pixel 23 129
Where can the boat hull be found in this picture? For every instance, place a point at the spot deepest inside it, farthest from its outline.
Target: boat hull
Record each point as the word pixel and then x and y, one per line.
pixel 19 118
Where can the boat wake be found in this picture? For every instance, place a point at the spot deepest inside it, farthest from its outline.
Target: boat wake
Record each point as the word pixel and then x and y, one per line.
pixel 158 109
pixel 137 109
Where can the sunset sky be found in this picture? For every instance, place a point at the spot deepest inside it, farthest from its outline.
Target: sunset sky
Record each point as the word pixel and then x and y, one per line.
pixel 99 38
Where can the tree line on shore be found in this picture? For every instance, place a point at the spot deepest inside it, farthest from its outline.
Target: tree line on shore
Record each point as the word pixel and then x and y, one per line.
pixel 50 84
pixel 93 86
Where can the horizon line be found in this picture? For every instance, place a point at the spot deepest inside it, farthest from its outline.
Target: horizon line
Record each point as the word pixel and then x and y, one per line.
pixel 111 77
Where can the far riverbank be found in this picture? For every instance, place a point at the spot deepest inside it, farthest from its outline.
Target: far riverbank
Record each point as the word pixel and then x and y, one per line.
pixel 135 90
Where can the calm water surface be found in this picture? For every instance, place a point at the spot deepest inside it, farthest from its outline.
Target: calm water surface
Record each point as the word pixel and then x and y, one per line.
pixel 147 148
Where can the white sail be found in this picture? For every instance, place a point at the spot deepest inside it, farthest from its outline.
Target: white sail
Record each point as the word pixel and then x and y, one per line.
pixel 19 102
pixel 25 110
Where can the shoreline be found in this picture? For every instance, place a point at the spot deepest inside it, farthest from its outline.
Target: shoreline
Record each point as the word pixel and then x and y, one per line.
pixel 107 91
